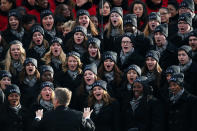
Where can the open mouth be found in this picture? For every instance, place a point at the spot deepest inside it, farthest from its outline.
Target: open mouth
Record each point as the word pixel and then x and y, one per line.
pixel 30 70
pixel 48 25
pixel 153 26
pixel 98 95
pixel 131 79
pixel 126 47
pixel 114 21
pixel 16 55
pixel 182 29
pixel 56 51
pixel 38 41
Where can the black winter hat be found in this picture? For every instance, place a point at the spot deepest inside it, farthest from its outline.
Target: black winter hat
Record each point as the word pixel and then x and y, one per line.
pixel 187 49
pixel 4 73
pixel 174 3
pixel 110 55
pixel 37 28
pixel 154 54
pixel 135 68
pixel 45 13
pixel 100 83
pixel 56 40
pixel 16 13
pixel 117 10
pixel 130 36
pixel 177 78
pixel 73 53
pixel 80 29
pixel 173 69
pixel 12 89
pixel 162 28
pixel 45 68
pixel 94 40
pixel 47 84
pixel 31 60
pixel 92 67
pixel 130 19
pixel 186 17
pixel 187 4
pixel 82 12
pixel 193 33
pixel 15 42
pixel 142 80
pixel 154 16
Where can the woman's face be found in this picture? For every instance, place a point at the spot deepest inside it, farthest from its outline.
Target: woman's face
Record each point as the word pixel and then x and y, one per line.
pixel 37 38
pixel 5 81
pixel 56 49
pixel 14 22
pixel 131 76
pixel 84 21
pixel 89 77
pixel 137 89
pixel 30 69
pixel 5 5
pixel 79 37
pixel 108 65
pixel 46 93
pixel 153 24
pixel 105 10
pixel 48 22
pixel 151 63
pixel 72 63
pixel 168 76
pixel 115 19
pixel 93 50
pixel 183 57
pixel 126 44
pixel 15 52
pixel 65 11
pixel 138 10
pixel 81 2
pixel 14 99
pixel 98 93
pixel 172 10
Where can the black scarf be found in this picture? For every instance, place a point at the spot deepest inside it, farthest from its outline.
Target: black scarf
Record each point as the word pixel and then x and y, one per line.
pixel 40 49
pixel 73 74
pixel 47 105
pixel 56 62
pixel 30 82
pixel 186 66
pixel 19 35
pixel 17 65
pixel 109 76
pixel 51 33
pixel 135 103
pixel 97 107
pixel 16 109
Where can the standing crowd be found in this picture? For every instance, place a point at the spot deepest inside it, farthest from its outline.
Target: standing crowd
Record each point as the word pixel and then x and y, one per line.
pixel 103 65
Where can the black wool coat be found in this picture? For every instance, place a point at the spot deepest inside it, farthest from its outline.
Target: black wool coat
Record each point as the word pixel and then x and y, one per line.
pixel 12 121
pixel 64 119
pixel 148 116
pixel 168 57
pixel 182 114
pixel 108 119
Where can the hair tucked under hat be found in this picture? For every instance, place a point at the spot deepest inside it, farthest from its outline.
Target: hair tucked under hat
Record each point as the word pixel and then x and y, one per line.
pixel 186 17
pixel 110 55
pixel 187 4
pixel 154 54
pixel 135 68
pixel 94 40
pixel 173 69
pixel 56 40
pixel 47 84
pixel 31 60
pixel 5 73
pixel 154 16
pixel 162 28
pixel 37 28
pixel 80 29
pixel 12 89
pixel 177 78
pixel 187 49
pixel 92 67
pixel 130 19
pixel 45 13
pixel 117 10
pixel 45 68
pixel 82 12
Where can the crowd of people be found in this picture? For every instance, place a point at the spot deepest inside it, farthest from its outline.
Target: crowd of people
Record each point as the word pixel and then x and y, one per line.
pixel 103 65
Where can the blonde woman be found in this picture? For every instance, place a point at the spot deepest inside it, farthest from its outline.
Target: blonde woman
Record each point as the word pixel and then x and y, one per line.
pixel 67 27
pixel 114 30
pixel 106 110
pixel 55 57
pixel 14 60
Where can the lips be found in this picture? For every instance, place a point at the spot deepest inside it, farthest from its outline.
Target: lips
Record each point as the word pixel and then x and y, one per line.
pixel 153 26
pixel 56 51
pixel 30 70
pixel 182 29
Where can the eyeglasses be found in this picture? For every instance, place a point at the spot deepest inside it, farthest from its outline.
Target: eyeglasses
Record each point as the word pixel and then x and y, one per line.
pixel 125 42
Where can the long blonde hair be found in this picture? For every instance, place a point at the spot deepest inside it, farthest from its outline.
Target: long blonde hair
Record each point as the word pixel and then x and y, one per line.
pixel 47 57
pixel 107 99
pixel 109 28
pixel 8 58
pixel 79 68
